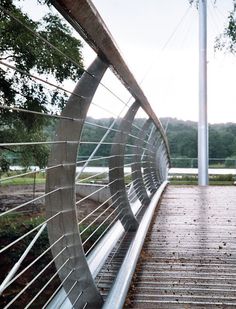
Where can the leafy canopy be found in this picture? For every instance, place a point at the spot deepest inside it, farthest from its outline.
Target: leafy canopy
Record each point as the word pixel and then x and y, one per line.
pixel 227 39
pixel 26 51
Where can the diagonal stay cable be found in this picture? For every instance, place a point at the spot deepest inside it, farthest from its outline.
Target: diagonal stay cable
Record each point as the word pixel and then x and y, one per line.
pixel 34 261
pixel 34 279
pixel 29 232
pixel 168 40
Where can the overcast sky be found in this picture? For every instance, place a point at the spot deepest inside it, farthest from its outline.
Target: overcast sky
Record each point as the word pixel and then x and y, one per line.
pixel 159 41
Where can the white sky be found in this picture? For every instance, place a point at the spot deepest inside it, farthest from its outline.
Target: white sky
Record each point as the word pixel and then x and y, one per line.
pixel 159 41
pixel 141 30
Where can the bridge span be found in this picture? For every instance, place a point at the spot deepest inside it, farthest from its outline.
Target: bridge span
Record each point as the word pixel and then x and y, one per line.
pixel 60 249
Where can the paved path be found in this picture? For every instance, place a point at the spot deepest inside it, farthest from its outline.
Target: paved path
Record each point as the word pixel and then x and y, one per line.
pixel 189 258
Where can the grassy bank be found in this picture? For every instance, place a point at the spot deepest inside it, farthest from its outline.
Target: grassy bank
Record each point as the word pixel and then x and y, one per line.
pixel 11 228
pixel 216 180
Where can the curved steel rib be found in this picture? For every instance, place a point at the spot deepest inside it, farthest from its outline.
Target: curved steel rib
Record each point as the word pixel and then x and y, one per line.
pixel 116 170
pixel 63 201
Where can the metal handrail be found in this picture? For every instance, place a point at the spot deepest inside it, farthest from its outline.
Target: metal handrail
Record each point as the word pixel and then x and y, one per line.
pixel 79 14
pixel 137 169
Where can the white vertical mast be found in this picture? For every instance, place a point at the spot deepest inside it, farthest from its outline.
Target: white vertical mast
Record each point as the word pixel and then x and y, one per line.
pixel 202 122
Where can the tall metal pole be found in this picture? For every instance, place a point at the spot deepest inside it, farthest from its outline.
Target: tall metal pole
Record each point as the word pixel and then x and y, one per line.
pixel 202 122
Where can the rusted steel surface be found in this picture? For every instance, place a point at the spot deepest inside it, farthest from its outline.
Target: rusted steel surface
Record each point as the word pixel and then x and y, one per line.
pixel 86 20
pixel 189 258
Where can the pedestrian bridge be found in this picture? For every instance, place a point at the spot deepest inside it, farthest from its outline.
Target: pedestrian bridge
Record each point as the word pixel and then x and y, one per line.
pixel 142 243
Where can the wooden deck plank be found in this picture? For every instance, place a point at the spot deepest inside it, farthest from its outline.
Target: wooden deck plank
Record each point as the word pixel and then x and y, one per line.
pixel 189 257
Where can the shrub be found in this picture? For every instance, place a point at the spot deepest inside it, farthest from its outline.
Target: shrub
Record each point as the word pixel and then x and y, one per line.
pixel 230 162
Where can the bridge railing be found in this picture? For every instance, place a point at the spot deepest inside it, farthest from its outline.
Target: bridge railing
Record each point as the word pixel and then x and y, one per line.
pixel 57 240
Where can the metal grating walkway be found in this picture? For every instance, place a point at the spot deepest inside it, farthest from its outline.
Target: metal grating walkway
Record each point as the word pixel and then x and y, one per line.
pixel 189 257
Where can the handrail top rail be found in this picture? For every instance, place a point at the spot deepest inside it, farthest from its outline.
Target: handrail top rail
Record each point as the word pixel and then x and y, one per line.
pixel 79 14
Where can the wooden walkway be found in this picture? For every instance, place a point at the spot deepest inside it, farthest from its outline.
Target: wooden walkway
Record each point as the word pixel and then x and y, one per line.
pixel 189 257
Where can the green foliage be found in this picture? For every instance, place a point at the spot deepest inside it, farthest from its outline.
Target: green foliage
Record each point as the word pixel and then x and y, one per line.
pixel 182 137
pixel 94 134
pixel 222 140
pixel 192 180
pixel 30 52
pixel 4 165
pixel 23 181
pixel 181 162
pixel 230 162
pixel 184 180
pixel 222 178
pixel 20 48
pixel 94 230
pixel 14 226
pixel 227 39
pixel 13 221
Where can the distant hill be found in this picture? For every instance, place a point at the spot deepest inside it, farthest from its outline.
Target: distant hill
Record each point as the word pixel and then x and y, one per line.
pixel 182 136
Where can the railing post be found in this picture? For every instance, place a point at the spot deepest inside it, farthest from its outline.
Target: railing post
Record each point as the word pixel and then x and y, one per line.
pixel 137 176
pixel 162 163
pixel 148 168
pixel 116 170
pixel 156 146
pixel 63 158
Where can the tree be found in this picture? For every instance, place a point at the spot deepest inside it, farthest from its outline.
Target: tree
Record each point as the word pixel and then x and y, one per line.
pixel 182 137
pixel 215 146
pixel 227 39
pixel 29 54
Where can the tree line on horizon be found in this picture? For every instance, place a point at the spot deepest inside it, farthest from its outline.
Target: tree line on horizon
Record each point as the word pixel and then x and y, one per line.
pixel 182 138
pixel 183 135
pixel 22 47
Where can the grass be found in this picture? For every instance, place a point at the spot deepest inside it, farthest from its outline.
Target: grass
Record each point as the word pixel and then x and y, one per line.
pixel 193 183
pixel 13 220
pixel 217 165
pixel 22 180
pixel 13 226
pixel 217 180
pixel 41 179
pixel 184 180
